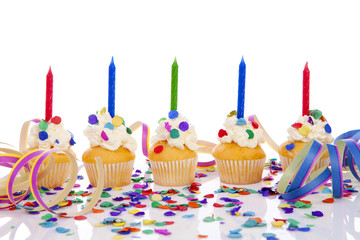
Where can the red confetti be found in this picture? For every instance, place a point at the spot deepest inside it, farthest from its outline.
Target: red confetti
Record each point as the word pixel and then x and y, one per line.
pixel 181 208
pixel 80 218
pixel 255 124
pixel 62 214
pixel 346 194
pixel 12 208
pixel 169 222
pixel 328 200
pixel 86 194
pixel 97 210
pixel 209 195
pixel 202 236
pixel 193 204
pixel 171 201
pixel 29 204
pixel 277 219
pixel 140 205
pixel 158 149
pixel 218 205
pixel 69 203
pixel 297 125
pixel 56 120
pixel 304 201
pixel 222 133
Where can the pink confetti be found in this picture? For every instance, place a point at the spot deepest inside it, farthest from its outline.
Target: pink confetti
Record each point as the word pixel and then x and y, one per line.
pixel 104 136
pixel 162 231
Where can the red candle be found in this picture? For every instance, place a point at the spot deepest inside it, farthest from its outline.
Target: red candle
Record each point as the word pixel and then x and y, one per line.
pixel 306 89
pixel 49 95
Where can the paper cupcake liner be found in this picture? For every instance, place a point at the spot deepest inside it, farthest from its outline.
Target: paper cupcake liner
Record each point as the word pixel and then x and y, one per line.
pixel 56 177
pixel 285 162
pixel 116 174
pixel 240 172
pixel 174 173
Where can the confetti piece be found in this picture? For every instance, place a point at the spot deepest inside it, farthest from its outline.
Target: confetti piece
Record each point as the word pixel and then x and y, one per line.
pixel 250 223
pixel 105 195
pixel 328 200
pixel 80 218
pixel 156 197
pixel 106 204
pixel 119 224
pixel 62 230
pixel 158 149
pixel 169 214
pixel 134 211
pixel 162 231
pixel 209 196
pixel 248 213
pixel 118 237
pixel 47 216
pixel 326 191
pixel 161 119
pixel 117 121
pixel 188 216
pixel 184 126
pixel 148 222
pixel 255 124
pixel 250 133
pixel 43 135
pixel 99 225
pixel 160 224
pixel 139 214
pixel 148 231
pixel 56 120
pixel 109 125
pixel 234 195
pixel 43 125
pixel 304 229
pixel 117 188
pixel 317 213
pixel 317 114
pixel 193 204
pixel 277 224
pixel 174 133
pixel 202 236
pixel 297 125
pixel 47 224
pixel 267 235
pixel 241 121
pixel 114 214
pixel 93 119
pixel 304 130
pixel 327 128
pixel 290 146
pixel 173 114
pixel 222 133
pixel 232 113
pixel 104 136
pixel 209 219
pixel 103 111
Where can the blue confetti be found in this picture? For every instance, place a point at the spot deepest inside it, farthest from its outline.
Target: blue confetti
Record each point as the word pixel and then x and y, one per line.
pixel 62 230
pixel 173 114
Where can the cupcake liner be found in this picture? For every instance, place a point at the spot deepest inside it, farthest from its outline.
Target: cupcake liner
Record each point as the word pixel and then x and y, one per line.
pixel 239 172
pixel 323 162
pixel 174 173
pixel 116 174
pixel 56 177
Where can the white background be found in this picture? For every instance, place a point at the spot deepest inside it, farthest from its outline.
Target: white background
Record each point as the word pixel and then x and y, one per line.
pixel 208 38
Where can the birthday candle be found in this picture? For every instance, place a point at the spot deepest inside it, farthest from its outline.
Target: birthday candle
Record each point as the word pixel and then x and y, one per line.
pixel 49 95
pixel 174 85
pixel 241 89
pixel 111 95
pixel 306 89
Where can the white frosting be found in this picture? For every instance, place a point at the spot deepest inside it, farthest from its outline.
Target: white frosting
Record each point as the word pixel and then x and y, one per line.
pixel 238 134
pixel 317 131
pixel 118 137
pixel 55 132
pixel 187 138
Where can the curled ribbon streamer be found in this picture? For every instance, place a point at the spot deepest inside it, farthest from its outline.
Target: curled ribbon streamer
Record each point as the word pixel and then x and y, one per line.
pixel 267 137
pixel 205 147
pixel 145 136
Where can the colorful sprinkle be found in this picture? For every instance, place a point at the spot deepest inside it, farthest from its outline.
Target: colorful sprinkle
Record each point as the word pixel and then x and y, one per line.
pixel 80 218
pixel 255 124
pixel 250 133
pixel 232 113
pixel 93 119
pixel 128 130
pixel 162 231
pixel 174 133
pixel 72 142
pixel 103 111
pixel 317 114
pixel 222 133
pixel 161 119
pixel 290 146
pixel 56 120
pixel 297 125
pixel 158 149
pixel 104 136
pixel 117 121
pixel 43 125
pixel 148 231
pixel 241 121
pixel 183 126
pixel 173 114
pixel 109 125
pixel 43 135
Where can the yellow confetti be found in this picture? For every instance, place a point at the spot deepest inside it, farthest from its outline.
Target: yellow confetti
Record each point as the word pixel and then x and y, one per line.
pixel 210 169
pixel 117 188
pixel 148 222
pixel 196 192
pixel 103 111
pixel 117 121
pixel 232 113
pixel 156 197
pixel 99 225
pixel 304 130
pixel 285 205
pixel 119 224
pixel 117 237
pixel 321 188
pixel 63 204
pixel 234 195
pixel 134 211
pixel 267 182
pixel 277 224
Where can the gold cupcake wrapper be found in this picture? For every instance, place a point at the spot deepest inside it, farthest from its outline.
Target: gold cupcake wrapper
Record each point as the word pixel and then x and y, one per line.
pixel 174 173
pixel 323 162
pixel 56 177
pixel 240 172
pixel 116 174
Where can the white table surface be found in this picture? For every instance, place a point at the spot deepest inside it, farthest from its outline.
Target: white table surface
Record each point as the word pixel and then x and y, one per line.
pixel 341 219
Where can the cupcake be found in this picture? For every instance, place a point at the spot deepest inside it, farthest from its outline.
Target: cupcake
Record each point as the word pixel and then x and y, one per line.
pixel 48 135
pixel 239 156
pixel 173 156
pixel 110 140
pixel 300 133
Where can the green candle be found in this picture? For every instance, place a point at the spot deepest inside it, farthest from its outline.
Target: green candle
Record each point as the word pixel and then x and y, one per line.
pixel 174 85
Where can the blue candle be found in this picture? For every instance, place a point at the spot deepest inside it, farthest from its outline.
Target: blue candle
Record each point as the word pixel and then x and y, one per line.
pixel 111 101
pixel 241 89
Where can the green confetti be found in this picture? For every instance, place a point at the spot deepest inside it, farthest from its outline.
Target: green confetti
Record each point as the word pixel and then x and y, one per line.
pixel 310 216
pixel 106 204
pixel 105 195
pixel 209 219
pixel 148 231
pixel 47 216
pixel 159 224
